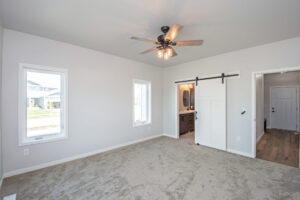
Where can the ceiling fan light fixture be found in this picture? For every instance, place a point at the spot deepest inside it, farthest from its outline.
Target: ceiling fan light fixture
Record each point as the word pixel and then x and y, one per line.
pixel 166 56
pixel 169 52
pixel 160 53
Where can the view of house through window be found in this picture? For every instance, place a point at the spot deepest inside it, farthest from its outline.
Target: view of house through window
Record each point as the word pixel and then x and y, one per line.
pixel 43 103
pixel 141 102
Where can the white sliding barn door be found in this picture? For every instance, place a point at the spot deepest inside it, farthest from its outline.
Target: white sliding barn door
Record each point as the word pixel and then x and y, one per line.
pixel 284 108
pixel 210 104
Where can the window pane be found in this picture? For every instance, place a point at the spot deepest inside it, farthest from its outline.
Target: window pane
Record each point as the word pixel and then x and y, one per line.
pixel 144 102
pixel 138 103
pixel 141 104
pixel 43 104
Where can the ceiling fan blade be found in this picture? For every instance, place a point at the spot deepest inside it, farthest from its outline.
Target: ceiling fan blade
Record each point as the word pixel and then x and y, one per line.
pixel 173 32
pixel 149 50
pixel 188 43
pixel 144 40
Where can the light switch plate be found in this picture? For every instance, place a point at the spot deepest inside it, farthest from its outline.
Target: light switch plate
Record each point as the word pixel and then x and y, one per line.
pixel 26 152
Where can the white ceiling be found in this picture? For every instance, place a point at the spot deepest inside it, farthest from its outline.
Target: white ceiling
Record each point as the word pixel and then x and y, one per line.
pixel 107 25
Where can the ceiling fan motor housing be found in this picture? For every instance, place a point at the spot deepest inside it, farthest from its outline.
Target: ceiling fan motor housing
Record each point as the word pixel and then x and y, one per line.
pixel 161 38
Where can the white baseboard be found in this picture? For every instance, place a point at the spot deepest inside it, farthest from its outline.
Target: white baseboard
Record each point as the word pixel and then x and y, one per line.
pixel 64 160
pixel 240 153
pixel 257 140
pixel 171 136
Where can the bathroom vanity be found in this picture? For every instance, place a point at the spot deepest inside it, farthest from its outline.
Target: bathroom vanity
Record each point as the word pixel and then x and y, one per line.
pixel 186 121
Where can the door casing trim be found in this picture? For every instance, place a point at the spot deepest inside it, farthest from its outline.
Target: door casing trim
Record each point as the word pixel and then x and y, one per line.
pixel 177 105
pixel 253 102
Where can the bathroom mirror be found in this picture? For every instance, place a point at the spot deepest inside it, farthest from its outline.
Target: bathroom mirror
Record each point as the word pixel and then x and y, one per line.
pixel 186 98
pixel 192 97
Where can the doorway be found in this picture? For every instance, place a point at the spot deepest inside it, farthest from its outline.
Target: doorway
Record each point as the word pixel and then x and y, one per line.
pixel 203 120
pixel 277 116
pixel 186 112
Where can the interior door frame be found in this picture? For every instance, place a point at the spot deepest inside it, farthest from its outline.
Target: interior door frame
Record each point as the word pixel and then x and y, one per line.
pixel 287 69
pixel 177 105
pixel 297 102
pixel 176 108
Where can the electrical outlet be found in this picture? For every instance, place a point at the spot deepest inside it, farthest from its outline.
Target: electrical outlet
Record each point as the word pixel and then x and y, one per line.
pixel 26 152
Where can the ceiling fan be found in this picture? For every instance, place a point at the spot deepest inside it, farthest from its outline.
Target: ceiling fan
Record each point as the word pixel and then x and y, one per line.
pixel 166 41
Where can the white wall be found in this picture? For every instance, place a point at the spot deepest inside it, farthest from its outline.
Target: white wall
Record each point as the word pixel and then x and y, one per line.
pixel 100 99
pixel 1 41
pixel 278 79
pixel 259 106
pixel 277 55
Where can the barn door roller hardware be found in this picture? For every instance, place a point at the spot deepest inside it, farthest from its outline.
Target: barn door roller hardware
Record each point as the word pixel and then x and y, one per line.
pixel 222 76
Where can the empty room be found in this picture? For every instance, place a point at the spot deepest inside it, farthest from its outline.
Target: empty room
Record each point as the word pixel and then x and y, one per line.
pixel 144 100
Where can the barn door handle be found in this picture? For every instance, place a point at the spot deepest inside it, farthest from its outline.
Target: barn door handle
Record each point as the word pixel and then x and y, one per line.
pixel 273 109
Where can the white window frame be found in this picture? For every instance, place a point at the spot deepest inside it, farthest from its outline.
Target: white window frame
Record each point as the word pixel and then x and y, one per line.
pixel 148 122
pixel 23 69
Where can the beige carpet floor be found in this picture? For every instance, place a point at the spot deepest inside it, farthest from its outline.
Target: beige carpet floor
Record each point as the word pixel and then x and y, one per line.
pixel 159 169
pixel 188 137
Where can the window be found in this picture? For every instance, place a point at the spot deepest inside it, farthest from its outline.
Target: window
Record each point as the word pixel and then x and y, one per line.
pixel 42 104
pixel 142 102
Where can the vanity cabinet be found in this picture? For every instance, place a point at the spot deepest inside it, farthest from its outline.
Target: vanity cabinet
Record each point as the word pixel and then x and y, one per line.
pixel 186 123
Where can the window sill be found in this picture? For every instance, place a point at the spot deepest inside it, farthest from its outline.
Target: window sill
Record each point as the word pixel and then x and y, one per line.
pixel 141 124
pixel 43 140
